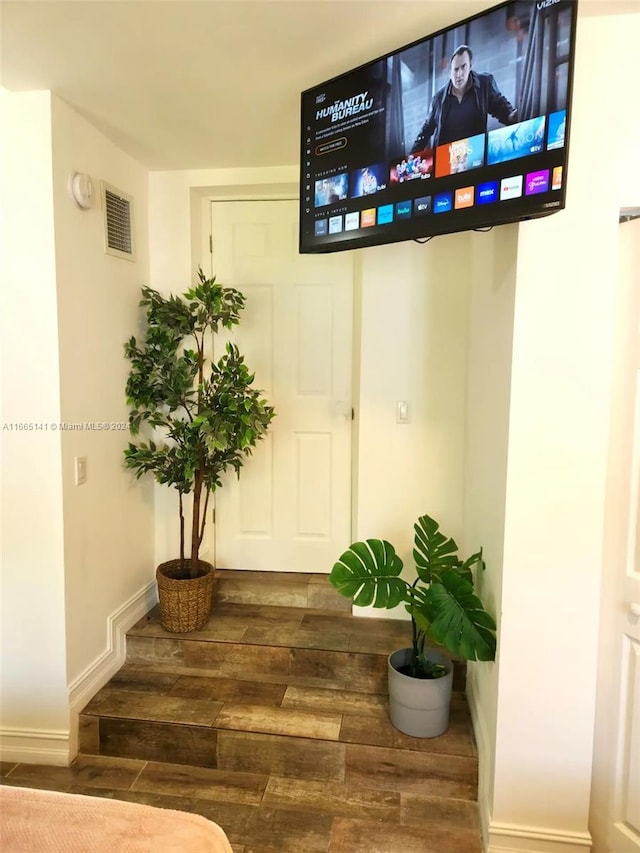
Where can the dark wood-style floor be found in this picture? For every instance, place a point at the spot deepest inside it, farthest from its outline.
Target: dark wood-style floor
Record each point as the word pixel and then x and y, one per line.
pixel 272 721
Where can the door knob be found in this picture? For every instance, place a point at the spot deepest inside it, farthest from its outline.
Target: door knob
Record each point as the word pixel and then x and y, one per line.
pixel 634 607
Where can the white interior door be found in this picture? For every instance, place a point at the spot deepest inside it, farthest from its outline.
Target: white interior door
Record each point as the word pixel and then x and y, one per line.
pixel 291 508
pixel 615 813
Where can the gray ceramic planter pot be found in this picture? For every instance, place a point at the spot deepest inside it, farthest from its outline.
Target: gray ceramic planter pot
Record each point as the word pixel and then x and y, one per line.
pixel 419 706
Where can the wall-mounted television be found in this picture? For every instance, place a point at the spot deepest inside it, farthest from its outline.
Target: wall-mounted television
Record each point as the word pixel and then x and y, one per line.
pixel 465 128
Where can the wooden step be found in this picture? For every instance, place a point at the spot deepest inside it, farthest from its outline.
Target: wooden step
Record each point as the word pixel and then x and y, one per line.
pixel 292 731
pixel 291 589
pixel 257 683
pixel 295 645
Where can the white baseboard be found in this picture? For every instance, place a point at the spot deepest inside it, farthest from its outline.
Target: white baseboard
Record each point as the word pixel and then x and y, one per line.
pixel 37 746
pixel 512 838
pixel 34 746
pixel 83 688
pixel 515 838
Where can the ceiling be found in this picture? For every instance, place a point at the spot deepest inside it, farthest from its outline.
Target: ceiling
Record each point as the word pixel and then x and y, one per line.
pixel 194 84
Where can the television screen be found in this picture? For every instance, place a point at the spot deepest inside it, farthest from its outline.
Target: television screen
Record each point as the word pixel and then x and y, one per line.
pixel 466 128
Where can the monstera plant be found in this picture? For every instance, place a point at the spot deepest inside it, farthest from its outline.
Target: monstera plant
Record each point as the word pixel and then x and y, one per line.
pixel 444 609
pixel 441 600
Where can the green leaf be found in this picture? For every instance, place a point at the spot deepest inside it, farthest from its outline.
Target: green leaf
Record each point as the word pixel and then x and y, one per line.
pixel 458 619
pixel 367 572
pixel 433 552
pixel 473 559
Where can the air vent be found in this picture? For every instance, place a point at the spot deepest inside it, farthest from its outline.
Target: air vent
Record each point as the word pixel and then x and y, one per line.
pixel 118 223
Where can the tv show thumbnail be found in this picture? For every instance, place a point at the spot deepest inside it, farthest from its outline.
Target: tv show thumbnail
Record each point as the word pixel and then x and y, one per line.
pixel 460 156
pixel 368 180
pixel 556 129
pixel 516 140
pixel 418 165
pixel 331 190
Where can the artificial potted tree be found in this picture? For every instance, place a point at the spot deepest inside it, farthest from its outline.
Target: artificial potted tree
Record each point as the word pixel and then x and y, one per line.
pixel 203 417
pixel 444 611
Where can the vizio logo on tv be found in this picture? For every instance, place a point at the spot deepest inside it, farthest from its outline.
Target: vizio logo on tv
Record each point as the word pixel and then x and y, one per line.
pixel 443 202
pixel 487 193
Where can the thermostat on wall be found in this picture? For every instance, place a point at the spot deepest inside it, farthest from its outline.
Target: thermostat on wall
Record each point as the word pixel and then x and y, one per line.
pixel 81 190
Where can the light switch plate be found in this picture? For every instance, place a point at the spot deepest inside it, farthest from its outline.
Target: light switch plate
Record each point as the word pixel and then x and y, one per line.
pixel 81 470
pixel 403 415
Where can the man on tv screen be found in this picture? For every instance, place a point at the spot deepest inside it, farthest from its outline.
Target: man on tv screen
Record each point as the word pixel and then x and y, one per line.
pixel 460 108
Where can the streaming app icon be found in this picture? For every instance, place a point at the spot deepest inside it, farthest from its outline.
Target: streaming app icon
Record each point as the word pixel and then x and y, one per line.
pixel 352 221
pixel 403 209
pixel 368 218
pixel 335 224
pixel 487 192
pixel 537 182
pixel 556 180
pixel 385 214
pixel 464 197
pixel 321 227
pixel 443 202
pixel 422 205
pixel 511 187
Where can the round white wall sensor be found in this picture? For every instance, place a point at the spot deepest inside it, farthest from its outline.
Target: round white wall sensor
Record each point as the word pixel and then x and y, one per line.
pixel 81 190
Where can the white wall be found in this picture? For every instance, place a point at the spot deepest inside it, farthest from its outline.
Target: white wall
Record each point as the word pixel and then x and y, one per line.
pixel 493 262
pixel 78 562
pixel 538 701
pixel 108 521
pixel 413 341
pixel 33 694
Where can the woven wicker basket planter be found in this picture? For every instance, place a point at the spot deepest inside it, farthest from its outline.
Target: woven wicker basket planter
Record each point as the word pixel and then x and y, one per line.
pixel 185 603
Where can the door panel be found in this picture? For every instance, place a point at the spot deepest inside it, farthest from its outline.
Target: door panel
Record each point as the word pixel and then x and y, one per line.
pixel 291 508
